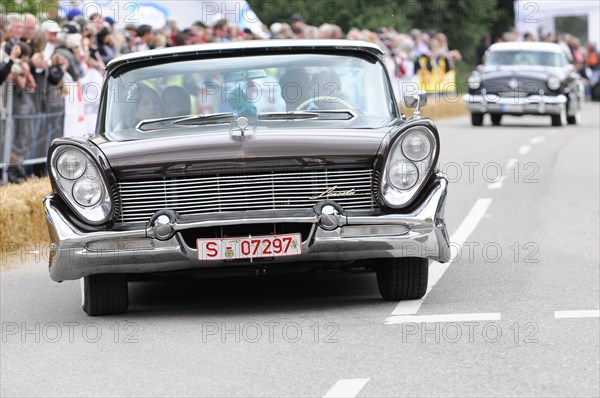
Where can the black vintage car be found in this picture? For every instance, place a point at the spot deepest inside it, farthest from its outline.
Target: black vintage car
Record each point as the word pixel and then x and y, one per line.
pixel 525 78
pixel 254 157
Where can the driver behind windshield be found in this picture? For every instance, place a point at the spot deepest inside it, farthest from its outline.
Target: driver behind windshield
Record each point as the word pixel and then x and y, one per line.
pixel 328 94
pixel 295 89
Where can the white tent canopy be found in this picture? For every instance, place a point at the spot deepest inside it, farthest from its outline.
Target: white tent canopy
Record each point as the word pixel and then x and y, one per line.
pixel 156 13
pixel 530 16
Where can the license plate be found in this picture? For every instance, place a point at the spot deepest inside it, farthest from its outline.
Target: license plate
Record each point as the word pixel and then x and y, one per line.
pixel 511 108
pixel 250 247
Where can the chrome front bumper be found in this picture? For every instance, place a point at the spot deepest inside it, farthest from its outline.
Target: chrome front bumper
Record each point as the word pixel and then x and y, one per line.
pixel 419 233
pixel 531 105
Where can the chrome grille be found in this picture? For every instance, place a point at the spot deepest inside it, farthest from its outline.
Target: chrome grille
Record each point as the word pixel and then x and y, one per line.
pixel 523 88
pixel 230 193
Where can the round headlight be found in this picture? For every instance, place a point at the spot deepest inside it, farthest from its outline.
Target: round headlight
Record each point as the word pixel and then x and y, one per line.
pixel 71 164
pixel 553 83
pixel 403 175
pixel 474 82
pixel 87 192
pixel 416 145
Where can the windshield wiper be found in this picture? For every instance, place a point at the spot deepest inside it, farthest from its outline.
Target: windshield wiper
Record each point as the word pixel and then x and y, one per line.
pixel 187 120
pixel 228 117
pixel 201 120
pixel 162 123
pixel 333 114
pixel 295 115
pixel 322 114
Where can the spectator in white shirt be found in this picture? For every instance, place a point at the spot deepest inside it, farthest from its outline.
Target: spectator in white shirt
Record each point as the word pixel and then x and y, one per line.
pixel 51 29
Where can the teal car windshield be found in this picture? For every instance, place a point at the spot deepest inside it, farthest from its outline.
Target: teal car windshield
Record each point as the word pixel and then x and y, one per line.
pixel 284 91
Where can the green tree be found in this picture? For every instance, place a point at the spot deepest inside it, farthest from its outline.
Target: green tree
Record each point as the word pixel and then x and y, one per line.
pixel 36 7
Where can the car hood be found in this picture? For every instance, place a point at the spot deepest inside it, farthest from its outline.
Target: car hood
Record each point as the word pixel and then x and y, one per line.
pixel 222 153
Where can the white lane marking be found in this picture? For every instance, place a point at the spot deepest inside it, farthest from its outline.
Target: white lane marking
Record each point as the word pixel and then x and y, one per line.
pixel 436 269
pixel 537 140
pixel 490 316
pixel 511 163
pixel 497 184
pixel 468 225
pixel 524 149
pixel 577 314
pixel 346 388
pixel 407 307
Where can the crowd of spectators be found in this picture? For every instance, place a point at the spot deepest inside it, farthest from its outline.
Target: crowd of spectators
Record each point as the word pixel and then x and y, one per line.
pixel 94 41
pixel 45 60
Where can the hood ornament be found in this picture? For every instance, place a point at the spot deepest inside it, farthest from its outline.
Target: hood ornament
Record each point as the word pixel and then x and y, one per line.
pixel 242 123
pixel 240 127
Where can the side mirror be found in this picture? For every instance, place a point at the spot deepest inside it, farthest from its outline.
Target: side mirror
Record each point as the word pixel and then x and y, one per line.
pixel 416 101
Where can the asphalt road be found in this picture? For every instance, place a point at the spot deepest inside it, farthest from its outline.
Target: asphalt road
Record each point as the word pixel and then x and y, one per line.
pixel 515 314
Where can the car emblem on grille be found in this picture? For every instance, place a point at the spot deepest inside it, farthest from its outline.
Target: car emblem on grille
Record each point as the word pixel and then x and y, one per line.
pixel 332 193
pixel 513 83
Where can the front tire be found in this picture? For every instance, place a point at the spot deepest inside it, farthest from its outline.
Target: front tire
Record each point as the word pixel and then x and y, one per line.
pixel 575 118
pixel 596 92
pixel 572 119
pixel 560 120
pixel 105 294
pixel 402 278
pixel 476 119
pixel 496 119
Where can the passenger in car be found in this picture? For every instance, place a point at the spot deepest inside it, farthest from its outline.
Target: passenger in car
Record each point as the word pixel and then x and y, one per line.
pixel 240 102
pixel 175 102
pixel 142 103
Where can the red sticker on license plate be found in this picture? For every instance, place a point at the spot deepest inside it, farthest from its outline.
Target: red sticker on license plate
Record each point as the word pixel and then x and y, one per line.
pixel 249 248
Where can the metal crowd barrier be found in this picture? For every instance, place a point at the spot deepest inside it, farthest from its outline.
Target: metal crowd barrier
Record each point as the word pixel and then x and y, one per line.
pixel 25 138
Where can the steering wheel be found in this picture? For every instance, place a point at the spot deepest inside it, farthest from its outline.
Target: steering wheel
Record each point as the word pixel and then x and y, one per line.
pixel 329 99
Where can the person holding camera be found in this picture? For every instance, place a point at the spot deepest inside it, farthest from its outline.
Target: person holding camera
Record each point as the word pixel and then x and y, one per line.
pixel 6 66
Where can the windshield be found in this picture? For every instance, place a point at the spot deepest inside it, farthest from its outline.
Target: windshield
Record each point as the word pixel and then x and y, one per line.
pixel 338 91
pixel 527 58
